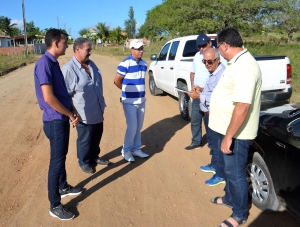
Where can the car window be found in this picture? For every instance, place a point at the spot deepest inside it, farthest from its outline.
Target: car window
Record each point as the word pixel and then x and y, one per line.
pixel 163 54
pixel 173 50
pixel 190 48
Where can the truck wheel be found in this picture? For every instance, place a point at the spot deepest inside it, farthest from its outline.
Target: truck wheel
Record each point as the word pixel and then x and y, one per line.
pixel 261 185
pixel 154 90
pixel 184 102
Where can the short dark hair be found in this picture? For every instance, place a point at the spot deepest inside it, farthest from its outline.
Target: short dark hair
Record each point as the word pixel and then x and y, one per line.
pixel 79 43
pixel 52 35
pixel 230 36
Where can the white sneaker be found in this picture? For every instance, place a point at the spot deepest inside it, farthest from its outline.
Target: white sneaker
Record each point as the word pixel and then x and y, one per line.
pixel 139 153
pixel 127 156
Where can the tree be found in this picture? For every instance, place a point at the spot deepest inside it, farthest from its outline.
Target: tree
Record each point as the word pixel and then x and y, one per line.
pixel 6 26
pixel 31 29
pixel 116 35
pixel 102 31
pixel 186 17
pixel 287 19
pixel 130 24
pixel 83 31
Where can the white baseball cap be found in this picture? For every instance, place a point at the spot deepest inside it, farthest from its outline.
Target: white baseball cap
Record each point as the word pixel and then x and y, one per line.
pixel 136 43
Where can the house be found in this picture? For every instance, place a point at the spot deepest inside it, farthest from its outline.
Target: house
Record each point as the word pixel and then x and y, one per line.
pixel 19 40
pixel 5 41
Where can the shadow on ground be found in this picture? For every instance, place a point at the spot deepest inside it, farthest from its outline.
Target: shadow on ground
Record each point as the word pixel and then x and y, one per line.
pixel 154 137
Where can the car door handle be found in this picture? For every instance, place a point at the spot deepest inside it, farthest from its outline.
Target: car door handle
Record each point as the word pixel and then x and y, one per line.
pixel 161 67
pixel 171 68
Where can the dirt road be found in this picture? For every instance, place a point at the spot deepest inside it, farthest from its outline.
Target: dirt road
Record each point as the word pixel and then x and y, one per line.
pixel 165 190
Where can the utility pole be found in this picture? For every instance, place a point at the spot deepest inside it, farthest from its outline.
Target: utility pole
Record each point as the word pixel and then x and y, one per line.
pixel 25 33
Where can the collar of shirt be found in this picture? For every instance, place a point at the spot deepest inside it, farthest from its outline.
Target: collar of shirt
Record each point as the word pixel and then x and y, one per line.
pixel 217 70
pixel 77 63
pixel 51 57
pixel 236 56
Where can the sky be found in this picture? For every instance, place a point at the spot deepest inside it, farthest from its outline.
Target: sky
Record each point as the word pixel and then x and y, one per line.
pixel 74 15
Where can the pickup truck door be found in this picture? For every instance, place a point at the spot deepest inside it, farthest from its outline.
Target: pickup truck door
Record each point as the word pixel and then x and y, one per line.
pixel 169 73
pixel 160 66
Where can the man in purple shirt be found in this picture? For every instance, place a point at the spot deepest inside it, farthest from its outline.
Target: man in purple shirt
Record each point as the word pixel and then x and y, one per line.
pixel 54 100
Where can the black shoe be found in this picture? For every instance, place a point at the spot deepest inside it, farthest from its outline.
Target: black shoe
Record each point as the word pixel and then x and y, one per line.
pixel 87 169
pixel 192 147
pixel 61 213
pixel 101 161
pixel 69 191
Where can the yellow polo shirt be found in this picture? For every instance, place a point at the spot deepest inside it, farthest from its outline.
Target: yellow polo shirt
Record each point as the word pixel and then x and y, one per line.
pixel 240 82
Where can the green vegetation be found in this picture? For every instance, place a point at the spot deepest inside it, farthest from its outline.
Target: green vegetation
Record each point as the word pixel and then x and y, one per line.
pixel 10 62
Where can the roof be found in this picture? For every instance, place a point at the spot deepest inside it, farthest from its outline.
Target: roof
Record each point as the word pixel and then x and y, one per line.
pixel 5 36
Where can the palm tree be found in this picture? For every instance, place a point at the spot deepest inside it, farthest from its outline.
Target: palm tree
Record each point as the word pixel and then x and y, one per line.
pixel 6 26
pixel 102 31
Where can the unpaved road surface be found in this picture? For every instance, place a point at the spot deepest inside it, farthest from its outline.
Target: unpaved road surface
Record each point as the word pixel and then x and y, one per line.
pixel 167 189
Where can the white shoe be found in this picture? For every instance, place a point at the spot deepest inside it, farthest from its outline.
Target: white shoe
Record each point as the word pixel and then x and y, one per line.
pixel 127 156
pixel 139 153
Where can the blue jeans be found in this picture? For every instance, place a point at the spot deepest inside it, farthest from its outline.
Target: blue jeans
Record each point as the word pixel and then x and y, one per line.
pixel 234 166
pixel 134 114
pixel 57 131
pixel 207 129
pixel 196 122
pixel 88 140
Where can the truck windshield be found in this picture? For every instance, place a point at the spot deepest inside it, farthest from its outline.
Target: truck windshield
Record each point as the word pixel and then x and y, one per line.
pixel 190 48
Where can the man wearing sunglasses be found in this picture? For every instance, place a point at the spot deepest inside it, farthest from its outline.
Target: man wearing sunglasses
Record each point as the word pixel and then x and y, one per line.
pixel 234 117
pixel 198 77
pixel 130 78
pixel 211 60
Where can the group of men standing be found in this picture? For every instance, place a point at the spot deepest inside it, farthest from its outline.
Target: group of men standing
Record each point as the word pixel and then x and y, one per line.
pixel 75 94
pixel 226 98
pixel 229 103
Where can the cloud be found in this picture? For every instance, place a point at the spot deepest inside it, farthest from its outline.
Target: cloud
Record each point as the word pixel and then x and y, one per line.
pixel 18 22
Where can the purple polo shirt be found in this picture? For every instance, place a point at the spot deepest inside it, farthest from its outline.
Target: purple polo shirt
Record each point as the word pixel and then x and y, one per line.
pixel 47 71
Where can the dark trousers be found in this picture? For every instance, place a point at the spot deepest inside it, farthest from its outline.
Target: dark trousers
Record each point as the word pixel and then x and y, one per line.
pixel 88 140
pixel 57 132
pixel 234 168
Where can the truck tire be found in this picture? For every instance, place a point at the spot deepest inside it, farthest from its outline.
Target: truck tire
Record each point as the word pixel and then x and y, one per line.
pixel 154 90
pixel 184 102
pixel 261 185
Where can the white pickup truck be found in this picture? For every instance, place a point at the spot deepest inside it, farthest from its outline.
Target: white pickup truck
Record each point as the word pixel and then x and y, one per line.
pixel 171 68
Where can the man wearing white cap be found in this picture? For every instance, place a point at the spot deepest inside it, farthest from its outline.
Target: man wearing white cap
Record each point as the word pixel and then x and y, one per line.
pixel 130 78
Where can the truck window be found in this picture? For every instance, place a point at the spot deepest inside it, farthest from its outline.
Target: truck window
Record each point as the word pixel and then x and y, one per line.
pixel 190 48
pixel 173 50
pixel 163 54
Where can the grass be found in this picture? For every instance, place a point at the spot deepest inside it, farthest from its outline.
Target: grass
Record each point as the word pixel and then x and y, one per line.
pixel 10 62
pixel 256 46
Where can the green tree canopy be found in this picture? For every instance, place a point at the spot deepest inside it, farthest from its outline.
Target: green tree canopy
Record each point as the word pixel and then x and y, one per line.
pixel 102 31
pixel 130 24
pixel 7 27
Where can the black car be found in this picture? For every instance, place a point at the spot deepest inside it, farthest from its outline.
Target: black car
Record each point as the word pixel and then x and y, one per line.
pixel 274 161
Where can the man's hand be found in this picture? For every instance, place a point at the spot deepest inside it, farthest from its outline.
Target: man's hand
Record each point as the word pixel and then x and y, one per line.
pixel 194 94
pixel 225 145
pixel 197 88
pixel 74 119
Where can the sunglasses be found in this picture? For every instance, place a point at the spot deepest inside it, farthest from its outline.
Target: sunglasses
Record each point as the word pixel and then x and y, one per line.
pixel 210 62
pixel 139 49
pixel 219 45
pixel 202 46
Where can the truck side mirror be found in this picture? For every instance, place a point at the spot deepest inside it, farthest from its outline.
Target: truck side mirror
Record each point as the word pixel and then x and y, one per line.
pixel 153 57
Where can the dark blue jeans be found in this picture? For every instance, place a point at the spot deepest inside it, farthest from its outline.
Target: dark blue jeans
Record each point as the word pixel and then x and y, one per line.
pixel 57 131
pixel 88 140
pixel 217 160
pixel 234 167
pixel 196 122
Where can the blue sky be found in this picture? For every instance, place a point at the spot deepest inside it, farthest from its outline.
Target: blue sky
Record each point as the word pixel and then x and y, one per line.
pixel 75 15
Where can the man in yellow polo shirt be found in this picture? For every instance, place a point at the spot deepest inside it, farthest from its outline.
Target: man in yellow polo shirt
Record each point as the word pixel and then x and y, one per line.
pixel 234 116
